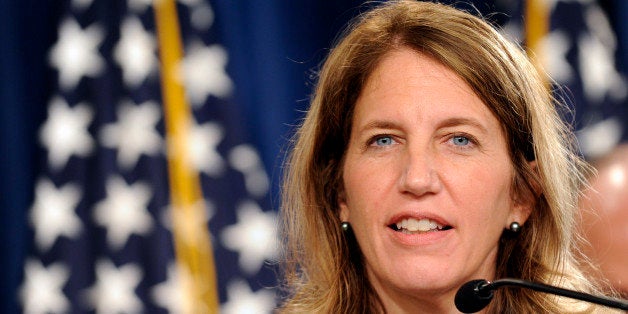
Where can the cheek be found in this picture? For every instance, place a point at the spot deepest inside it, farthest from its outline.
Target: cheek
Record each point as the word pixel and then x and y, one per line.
pixel 363 185
pixel 483 192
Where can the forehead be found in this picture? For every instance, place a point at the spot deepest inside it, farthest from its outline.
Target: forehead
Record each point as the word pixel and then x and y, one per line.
pixel 405 60
pixel 404 78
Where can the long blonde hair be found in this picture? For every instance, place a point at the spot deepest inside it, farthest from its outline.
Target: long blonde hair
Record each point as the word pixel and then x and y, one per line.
pixel 323 268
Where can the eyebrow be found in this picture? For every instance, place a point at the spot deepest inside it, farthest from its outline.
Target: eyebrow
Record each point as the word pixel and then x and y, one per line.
pixel 379 124
pixel 450 122
pixel 456 121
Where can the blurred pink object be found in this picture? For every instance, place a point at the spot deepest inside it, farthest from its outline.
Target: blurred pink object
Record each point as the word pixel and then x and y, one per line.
pixel 605 218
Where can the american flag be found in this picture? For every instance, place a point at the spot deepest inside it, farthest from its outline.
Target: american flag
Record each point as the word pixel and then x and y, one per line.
pixel 579 50
pixel 582 49
pixel 102 216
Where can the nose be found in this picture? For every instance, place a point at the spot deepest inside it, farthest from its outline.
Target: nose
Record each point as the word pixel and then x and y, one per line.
pixel 419 174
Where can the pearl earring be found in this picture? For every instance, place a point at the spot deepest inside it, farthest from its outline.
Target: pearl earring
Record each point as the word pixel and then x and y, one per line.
pixel 515 227
pixel 344 226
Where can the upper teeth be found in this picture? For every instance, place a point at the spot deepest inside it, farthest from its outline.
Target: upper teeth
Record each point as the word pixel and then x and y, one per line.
pixel 413 225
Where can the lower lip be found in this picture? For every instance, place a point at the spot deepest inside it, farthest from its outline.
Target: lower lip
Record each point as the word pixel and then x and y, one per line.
pixel 420 239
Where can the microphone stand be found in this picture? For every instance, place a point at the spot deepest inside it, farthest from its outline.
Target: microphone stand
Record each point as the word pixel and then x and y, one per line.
pixel 489 286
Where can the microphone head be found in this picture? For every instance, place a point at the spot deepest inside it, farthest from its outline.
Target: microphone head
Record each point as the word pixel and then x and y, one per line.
pixel 470 298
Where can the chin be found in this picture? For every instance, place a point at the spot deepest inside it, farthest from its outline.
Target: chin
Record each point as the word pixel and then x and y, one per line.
pixel 430 283
pixel 421 278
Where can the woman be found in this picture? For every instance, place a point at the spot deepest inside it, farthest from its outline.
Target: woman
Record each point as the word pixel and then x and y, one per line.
pixel 432 154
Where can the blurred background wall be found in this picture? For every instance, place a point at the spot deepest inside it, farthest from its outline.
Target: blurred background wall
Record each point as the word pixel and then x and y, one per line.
pixel 84 193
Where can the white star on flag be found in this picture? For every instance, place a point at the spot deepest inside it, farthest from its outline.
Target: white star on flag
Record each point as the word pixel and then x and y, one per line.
pixel 173 293
pixel 254 236
pixel 53 213
pixel 554 49
pixel 245 159
pixel 139 6
pixel 65 132
pixel 599 75
pixel 203 73
pixel 203 143
pixel 76 53
pixel 243 301
pixel 124 211
pixel 135 52
pixel 202 16
pixel 114 290
pixel 135 133
pixel 597 139
pixel 42 289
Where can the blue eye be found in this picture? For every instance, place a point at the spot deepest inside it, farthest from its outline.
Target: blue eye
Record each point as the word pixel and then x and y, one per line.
pixel 459 140
pixel 383 141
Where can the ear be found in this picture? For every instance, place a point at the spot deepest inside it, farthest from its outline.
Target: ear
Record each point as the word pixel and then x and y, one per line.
pixel 520 212
pixel 342 203
pixel 524 201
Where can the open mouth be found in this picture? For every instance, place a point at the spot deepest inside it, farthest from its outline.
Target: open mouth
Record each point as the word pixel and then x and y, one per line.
pixel 416 226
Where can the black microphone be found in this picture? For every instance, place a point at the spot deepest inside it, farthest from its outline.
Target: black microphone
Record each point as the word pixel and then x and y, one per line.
pixel 475 295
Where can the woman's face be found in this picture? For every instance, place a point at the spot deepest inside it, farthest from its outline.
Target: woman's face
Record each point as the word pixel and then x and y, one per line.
pixel 427 180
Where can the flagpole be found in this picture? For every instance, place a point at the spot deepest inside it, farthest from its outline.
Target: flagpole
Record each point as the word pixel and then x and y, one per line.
pixel 536 28
pixel 192 240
